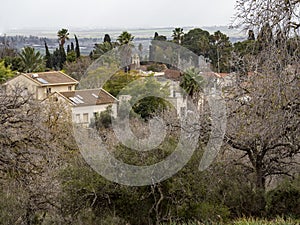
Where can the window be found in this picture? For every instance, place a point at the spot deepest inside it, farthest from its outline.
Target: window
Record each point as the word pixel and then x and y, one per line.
pixel 85 117
pixel 77 118
pixel 48 90
pixel 70 88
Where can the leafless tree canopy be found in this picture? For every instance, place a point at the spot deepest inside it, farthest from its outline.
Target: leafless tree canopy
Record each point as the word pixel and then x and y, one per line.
pixel 279 14
pixel 33 143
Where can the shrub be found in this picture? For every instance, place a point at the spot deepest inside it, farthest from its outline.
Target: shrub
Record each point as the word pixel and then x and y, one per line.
pixel 285 200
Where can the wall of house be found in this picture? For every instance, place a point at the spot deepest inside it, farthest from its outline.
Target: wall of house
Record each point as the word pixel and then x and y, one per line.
pixel 84 114
pixel 39 92
pixel 42 91
pixel 22 82
pixel 180 104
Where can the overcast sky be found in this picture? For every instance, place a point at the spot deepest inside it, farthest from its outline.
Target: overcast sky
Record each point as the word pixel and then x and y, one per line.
pixel 113 13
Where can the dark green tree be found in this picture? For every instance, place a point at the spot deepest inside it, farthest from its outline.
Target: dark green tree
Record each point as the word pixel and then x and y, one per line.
pixel 77 48
pixel 72 46
pixel 68 48
pixel 5 73
pixel 107 38
pixel 48 57
pixel 63 55
pixel 57 59
pixel 192 82
pixel 100 49
pixel 178 35
pixel 125 38
pixel 31 60
pixel 118 81
pixel 158 37
pixel 63 35
pixel 71 56
pixel 220 52
pixel 197 40
pixel 153 47
pixel 146 89
pixel 13 62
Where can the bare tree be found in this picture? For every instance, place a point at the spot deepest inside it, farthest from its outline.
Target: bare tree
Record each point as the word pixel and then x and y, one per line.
pixel 31 154
pixel 263 122
pixel 279 14
pixel 263 118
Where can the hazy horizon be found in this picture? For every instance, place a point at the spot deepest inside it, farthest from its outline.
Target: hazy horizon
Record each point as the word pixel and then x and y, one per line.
pixel 97 14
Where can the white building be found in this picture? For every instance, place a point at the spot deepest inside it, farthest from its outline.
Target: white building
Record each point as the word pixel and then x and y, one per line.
pixel 85 104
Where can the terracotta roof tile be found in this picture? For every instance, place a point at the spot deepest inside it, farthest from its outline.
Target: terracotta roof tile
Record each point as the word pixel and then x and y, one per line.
pixel 172 74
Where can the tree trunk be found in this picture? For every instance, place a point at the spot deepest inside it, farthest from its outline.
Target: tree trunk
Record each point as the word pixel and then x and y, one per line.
pixel 260 190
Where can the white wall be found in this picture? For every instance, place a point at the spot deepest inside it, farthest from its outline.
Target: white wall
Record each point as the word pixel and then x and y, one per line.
pixel 90 110
pixel 22 82
pixel 39 92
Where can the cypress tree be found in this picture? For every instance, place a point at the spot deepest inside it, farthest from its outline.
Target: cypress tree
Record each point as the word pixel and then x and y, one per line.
pixel 72 46
pixel 77 49
pixel 48 57
pixel 63 56
pixel 107 38
pixel 68 49
pixel 59 58
pixel 56 59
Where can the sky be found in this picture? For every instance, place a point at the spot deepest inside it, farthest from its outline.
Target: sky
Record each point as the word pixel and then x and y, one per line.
pixel 28 14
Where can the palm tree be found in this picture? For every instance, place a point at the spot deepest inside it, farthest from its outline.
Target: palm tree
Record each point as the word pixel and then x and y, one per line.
pixel 177 38
pixel 192 82
pixel 100 49
pixel 63 35
pixel 31 60
pixel 125 38
pixel 178 35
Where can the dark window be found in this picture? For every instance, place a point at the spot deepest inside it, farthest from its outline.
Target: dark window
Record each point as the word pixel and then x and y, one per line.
pixel 48 90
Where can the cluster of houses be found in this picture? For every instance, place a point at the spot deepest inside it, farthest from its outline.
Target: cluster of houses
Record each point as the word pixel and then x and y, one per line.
pixel 85 104
pixel 61 87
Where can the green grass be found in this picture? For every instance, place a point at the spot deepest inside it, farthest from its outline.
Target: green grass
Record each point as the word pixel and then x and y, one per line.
pixel 246 221
pixel 278 221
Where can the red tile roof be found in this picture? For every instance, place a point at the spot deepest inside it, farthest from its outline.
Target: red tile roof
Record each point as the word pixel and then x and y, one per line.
pixel 172 74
